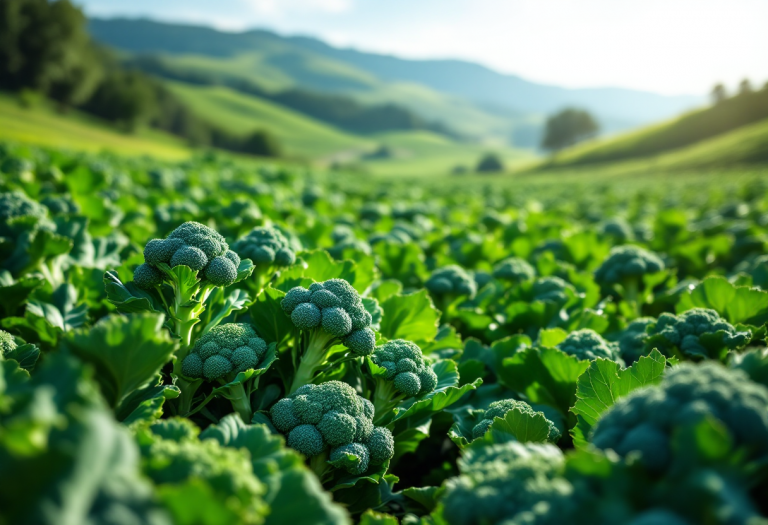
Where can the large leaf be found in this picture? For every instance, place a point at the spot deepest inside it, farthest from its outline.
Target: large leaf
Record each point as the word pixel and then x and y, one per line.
pixel 126 351
pixel 605 381
pixel 63 312
pixel 128 298
pixel 272 323
pixel 545 375
pixel 25 354
pixel 412 317
pixel 217 312
pixel 16 293
pixel 737 304
pixel 520 426
pixel 145 404
pixel 320 266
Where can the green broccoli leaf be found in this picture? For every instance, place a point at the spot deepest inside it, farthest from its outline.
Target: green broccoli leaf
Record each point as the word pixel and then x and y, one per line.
pixel 412 317
pixel 604 382
pixel 267 314
pixel 145 404
pixel 235 301
pixel 737 304
pixel 128 298
pixel 519 426
pixel 127 352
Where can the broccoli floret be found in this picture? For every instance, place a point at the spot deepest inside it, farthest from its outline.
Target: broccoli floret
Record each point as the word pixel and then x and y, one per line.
pixel 373 211
pixel 60 205
pixel 407 375
pixel 500 409
pixel 696 333
pixel 514 269
pixel 7 344
pixel 221 354
pixel 632 340
pixel 587 344
pixel 196 246
pixel 618 229
pixel 269 249
pixel 327 314
pixel 626 266
pixel 511 483
pixel 550 289
pixel 344 238
pixel 646 420
pixel 332 418
pixel 451 280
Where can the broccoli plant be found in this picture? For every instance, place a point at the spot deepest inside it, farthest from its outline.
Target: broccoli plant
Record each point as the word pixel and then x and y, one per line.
pixel 587 345
pixel 499 409
pixel 632 339
pixel 647 420
pixel 269 250
pixel 28 237
pixel 400 373
pixel 194 259
pixel 513 270
pixel 234 356
pixel 697 333
pixel 509 483
pixel 624 270
pixel 448 285
pixel 333 426
pixel 327 314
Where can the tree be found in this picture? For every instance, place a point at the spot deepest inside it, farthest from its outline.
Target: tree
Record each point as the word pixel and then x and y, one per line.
pixel 567 128
pixel 261 143
pixel 44 46
pixel 124 97
pixel 745 86
pixel 490 163
pixel 718 94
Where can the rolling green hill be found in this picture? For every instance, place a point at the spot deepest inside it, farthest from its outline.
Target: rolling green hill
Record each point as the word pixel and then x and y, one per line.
pixel 467 97
pixel 687 130
pixel 300 136
pixel 43 125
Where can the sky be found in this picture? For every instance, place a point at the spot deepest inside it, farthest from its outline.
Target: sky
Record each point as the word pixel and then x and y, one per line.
pixel 664 46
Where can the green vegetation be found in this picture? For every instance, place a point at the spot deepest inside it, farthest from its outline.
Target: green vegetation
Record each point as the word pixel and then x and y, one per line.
pixel 469 349
pixel 738 122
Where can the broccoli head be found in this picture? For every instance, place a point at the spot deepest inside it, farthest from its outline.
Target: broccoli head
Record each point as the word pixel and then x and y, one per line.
pixel 587 344
pixel 221 354
pixel 60 205
pixel 627 262
pixel 511 483
pixel 500 409
pixel 513 269
pixel 646 420
pixel 332 418
pixel 451 280
pixel 327 313
pixel 696 333
pixel 407 375
pixel 632 339
pixel 193 245
pixel 7 344
pixel 550 289
pixel 266 246
pixel 618 229
pixel 19 213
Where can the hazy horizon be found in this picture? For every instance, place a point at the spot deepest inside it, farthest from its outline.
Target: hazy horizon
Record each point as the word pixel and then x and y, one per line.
pixel 680 48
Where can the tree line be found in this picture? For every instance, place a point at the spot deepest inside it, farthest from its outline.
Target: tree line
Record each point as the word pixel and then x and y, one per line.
pixel 44 47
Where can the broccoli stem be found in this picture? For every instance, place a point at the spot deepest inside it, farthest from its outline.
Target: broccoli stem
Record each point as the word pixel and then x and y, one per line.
pixel 241 402
pixel 188 390
pixel 319 465
pixel 385 398
pixel 314 354
pixel 631 292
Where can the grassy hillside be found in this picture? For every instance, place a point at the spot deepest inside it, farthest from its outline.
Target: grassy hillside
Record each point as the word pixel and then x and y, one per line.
pixel 43 125
pixel 689 129
pixel 300 136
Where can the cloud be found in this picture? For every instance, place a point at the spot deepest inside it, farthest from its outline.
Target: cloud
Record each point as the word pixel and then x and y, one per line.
pixel 286 7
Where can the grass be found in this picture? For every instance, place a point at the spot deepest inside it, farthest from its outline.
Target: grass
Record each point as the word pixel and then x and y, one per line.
pixel 299 135
pixel 422 153
pixel 43 125
pixel 745 110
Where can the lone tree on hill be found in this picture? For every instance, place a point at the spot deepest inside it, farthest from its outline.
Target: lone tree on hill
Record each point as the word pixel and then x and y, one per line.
pixel 490 163
pixel 718 93
pixel 567 128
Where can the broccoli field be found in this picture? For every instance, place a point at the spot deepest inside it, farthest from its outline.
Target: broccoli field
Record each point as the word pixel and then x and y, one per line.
pixel 221 340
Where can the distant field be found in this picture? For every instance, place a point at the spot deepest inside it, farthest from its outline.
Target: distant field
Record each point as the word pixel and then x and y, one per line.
pixel 299 135
pixel 421 153
pixel 42 125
